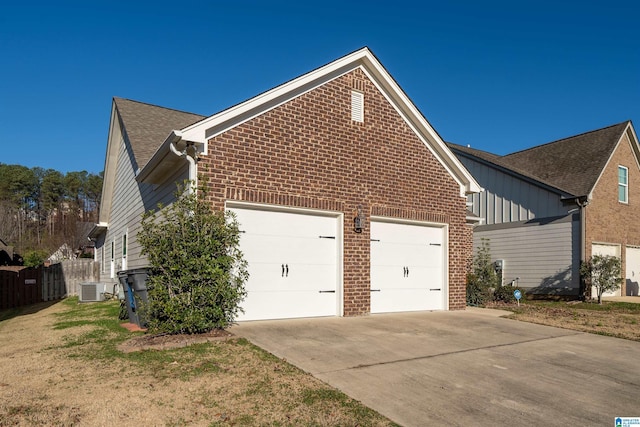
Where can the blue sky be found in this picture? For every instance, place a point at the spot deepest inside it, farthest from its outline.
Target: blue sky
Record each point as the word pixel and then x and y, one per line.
pixel 501 76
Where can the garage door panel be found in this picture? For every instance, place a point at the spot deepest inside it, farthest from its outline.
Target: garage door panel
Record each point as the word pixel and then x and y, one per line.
pixel 604 249
pixel 260 305
pixel 633 272
pixel 407 267
pixel 292 263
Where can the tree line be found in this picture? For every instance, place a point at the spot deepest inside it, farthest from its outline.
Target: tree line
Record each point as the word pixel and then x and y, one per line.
pixel 40 209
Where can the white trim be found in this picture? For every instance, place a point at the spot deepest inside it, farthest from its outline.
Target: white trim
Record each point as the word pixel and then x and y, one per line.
pixel 445 249
pixel 625 185
pixel 112 271
pixel 208 128
pixel 634 147
pixel 357 106
pixel 617 245
pixel 124 249
pixel 339 216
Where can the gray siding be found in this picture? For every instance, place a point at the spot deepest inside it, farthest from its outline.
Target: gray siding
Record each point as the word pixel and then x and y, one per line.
pixel 130 201
pixel 509 199
pixel 543 254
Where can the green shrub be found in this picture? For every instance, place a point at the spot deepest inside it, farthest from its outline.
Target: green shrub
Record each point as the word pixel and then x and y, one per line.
pixel 602 272
pixel 198 272
pixel 35 258
pixel 477 292
pixel 482 277
pixel 504 294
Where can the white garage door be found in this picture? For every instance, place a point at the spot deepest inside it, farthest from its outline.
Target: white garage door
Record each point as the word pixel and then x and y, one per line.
pixel 633 271
pixel 407 267
pixel 604 249
pixel 292 261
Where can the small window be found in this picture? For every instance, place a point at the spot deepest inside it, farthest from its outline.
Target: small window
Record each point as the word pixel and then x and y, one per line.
pixel 124 246
pixel 113 250
pixel 623 184
pixel 357 106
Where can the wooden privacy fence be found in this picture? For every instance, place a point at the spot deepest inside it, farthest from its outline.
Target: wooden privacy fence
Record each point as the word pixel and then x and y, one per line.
pixel 22 286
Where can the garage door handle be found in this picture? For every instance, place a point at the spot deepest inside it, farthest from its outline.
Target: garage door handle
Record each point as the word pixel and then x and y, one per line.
pixel 435 244
pixel 435 289
pixel 327 292
pixel 285 270
pixel 375 290
pixel 327 237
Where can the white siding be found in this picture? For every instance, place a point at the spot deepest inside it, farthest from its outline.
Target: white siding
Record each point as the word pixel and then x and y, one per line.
pixel 130 200
pixel 544 254
pixel 509 199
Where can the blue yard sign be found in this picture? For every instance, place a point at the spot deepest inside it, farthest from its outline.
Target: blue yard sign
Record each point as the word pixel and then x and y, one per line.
pixel 518 295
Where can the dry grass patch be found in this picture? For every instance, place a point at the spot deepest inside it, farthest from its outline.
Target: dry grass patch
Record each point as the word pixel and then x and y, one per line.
pixel 63 365
pixel 616 319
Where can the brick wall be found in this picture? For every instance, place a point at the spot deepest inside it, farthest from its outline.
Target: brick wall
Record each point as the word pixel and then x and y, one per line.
pixel 608 220
pixel 309 153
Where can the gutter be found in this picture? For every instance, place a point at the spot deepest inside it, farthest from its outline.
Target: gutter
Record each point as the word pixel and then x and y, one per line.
pixel 190 154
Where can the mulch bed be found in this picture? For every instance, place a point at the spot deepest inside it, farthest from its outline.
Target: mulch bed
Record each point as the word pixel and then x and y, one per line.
pixel 168 341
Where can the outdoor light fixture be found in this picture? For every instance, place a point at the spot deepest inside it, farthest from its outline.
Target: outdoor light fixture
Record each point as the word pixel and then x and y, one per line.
pixel 358 221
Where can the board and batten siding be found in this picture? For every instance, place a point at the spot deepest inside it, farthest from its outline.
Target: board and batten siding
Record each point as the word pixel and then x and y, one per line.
pixel 543 254
pixel 130 200
pixel 506 198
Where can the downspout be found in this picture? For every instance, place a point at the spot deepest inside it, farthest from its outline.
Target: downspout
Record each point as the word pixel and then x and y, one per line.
pixel 193 166
pixel 582 204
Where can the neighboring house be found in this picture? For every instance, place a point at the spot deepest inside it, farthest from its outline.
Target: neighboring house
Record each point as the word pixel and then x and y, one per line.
pixel 547 208
pixel 348 201
pixel 64 252
pixel 6 254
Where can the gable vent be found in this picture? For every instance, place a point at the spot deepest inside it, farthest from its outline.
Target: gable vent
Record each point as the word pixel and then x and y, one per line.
pixel 357 106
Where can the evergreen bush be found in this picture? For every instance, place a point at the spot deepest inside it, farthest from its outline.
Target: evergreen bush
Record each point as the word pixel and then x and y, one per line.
pixel 197 269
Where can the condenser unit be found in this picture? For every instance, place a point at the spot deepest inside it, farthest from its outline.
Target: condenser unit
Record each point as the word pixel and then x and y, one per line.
pixel 92 291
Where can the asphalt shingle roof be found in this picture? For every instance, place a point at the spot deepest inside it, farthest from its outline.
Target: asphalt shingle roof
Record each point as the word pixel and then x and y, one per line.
pixel 572 164
pixel 147 126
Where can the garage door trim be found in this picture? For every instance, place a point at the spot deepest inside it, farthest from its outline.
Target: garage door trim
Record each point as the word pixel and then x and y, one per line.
pixel 339 216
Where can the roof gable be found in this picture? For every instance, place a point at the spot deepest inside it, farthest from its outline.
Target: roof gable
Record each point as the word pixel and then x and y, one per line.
pixel 202 131
pixel 146 125
pixel 571 164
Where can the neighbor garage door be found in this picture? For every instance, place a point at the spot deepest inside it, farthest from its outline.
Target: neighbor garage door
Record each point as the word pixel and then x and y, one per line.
pixel 407 267
pixel 292 261
pixel 605 249
pixel 633 271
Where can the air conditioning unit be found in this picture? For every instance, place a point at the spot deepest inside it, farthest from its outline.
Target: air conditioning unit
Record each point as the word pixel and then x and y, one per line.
pixel 92 291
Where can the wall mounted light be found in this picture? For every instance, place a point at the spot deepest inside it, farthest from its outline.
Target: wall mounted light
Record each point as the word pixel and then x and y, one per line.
pixel 358 220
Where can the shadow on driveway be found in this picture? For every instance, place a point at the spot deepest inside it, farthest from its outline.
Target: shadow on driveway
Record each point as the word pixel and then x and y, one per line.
pixel 462 367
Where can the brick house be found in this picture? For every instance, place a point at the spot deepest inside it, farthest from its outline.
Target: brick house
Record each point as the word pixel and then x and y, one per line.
pixel 546 208
pixel 350 203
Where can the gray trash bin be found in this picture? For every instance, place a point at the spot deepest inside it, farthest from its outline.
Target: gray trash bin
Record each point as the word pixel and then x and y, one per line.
pixel 128 297
pixel 137 279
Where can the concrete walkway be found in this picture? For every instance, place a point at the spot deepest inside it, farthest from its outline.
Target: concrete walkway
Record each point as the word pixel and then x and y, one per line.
pixel 635 300
pixel 462 368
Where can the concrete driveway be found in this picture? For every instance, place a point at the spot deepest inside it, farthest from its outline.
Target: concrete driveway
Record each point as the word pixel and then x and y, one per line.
pixel 463 368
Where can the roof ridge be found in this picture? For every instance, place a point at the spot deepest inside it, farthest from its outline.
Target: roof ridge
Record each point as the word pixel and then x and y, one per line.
pixel 566 138
pixel 469 147
pixel 157 106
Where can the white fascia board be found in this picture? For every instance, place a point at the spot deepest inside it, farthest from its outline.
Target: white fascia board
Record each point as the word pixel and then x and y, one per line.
pixel 158 156
pixel 421 127
pixel 364 59
pixel 634 142
pixel 606 165
pixel 114 140
pixel 223 121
